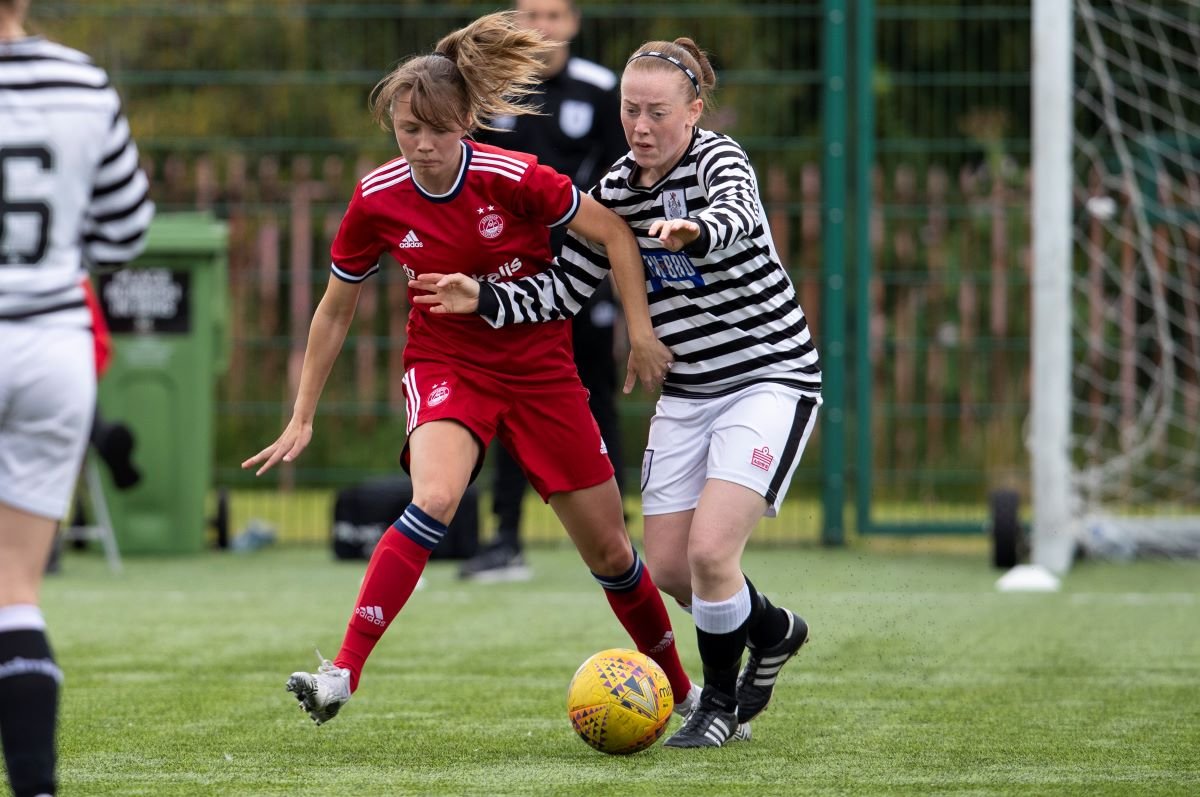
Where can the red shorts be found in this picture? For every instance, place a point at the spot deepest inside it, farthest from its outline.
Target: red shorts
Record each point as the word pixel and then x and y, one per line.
pixel 547 427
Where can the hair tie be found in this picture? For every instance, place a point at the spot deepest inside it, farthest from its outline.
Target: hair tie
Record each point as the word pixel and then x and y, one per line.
pixel 671 59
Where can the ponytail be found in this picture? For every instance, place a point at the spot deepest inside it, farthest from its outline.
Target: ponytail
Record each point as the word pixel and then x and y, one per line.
pixel 485 70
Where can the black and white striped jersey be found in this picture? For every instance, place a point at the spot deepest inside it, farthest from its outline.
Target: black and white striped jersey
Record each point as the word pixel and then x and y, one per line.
pixel 71 190
pixel 725 305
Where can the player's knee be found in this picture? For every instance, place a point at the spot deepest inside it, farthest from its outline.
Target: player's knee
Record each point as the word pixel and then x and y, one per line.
pixel 437 502
pixel 709 562
pixel 672 577
pixel 678 588
pixel 611 557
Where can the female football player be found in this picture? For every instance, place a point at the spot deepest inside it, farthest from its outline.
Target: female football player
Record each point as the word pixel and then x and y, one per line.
pixel 741 398
pixel 72 194
pixel 448 201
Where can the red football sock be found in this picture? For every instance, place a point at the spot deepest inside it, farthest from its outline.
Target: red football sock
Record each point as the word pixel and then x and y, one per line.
pixel 644 616
pixel 391 578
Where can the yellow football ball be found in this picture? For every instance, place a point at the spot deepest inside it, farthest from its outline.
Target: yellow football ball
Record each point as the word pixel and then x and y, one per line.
pixel 619 701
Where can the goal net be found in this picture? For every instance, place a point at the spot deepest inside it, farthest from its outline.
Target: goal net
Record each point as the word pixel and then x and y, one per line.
pixel 1134 440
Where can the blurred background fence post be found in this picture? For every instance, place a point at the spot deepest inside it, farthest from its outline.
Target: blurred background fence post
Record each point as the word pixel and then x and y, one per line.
pixel 831 336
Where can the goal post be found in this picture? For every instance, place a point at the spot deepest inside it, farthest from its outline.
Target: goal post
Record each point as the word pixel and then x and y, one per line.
pixel 1053 537
pixel 1114 433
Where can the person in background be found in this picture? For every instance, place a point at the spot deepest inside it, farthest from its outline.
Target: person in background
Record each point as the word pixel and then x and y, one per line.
pixel 71 192
pixel 448 200
pixel 741 396
pixel 578 133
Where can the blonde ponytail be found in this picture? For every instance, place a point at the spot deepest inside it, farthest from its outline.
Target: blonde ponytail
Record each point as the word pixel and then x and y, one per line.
pixel 487 69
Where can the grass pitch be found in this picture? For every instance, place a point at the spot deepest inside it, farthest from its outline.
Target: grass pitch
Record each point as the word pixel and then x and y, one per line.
pixel 919 679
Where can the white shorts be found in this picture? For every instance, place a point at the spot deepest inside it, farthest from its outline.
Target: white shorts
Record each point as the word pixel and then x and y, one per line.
pixel 754 438
pixel 47 401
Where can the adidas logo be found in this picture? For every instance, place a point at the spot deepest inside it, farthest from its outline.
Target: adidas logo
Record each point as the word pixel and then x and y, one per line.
pixel 411 241
pixel 372 614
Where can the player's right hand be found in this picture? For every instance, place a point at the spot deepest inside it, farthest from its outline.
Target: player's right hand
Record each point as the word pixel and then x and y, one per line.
pixel 649 362
pixel 448 293
pixel 295 438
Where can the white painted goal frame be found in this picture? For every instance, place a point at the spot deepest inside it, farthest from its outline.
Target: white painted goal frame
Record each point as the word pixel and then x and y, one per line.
pixel 1114 433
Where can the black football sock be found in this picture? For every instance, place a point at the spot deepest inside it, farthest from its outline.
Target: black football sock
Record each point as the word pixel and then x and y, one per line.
pixel 721 629
pixel 768 623
pixel 29 681
pixel 720 670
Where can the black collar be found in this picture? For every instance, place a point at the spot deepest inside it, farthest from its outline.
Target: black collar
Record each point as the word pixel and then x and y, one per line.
pixel 459 181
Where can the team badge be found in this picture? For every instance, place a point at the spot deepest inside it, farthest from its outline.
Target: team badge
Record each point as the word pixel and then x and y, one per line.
pixel 575 118
pixel 674 204
pixel 491 225
pixel 440 393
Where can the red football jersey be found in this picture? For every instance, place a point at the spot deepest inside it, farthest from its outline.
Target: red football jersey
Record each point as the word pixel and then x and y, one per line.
pixel 493 224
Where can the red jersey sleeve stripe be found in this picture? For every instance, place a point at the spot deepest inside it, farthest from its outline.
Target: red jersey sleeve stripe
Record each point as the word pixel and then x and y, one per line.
pixel 504 160
pixel 382 172
pixel 571 210
pixel 506 164
pixel 346 276
pixel 386 177
pixel 380 186
pixel 516 178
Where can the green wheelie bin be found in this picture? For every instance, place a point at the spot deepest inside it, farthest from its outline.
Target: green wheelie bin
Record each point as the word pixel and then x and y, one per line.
pixel 168 315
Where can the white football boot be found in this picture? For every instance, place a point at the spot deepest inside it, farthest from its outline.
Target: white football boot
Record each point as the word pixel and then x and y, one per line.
pixel 685 706
pixel 322 693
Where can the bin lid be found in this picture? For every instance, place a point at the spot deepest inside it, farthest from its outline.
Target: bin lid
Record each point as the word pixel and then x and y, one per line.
pixel 186 233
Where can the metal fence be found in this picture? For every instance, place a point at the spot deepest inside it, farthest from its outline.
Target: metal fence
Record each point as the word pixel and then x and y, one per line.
pixel 942 346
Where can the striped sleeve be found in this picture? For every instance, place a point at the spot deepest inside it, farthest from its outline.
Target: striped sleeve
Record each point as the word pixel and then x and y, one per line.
pixel 120 210
pixel 733 207
pixel 558 292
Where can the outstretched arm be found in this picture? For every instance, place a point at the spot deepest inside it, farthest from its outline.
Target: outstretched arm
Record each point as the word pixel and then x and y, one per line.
pixel 649 359
pixel 326 335
pixel 598 239
pixel 559 292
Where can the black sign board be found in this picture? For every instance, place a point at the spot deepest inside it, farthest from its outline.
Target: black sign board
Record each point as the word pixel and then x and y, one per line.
pixel 146 300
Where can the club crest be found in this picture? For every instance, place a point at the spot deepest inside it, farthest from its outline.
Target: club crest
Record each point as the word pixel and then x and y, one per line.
pixel 440 393
pixel 491 225
pixel 674 204
pixel 575 118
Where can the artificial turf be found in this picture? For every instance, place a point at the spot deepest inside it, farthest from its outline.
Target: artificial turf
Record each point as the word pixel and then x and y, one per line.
pixel 920 679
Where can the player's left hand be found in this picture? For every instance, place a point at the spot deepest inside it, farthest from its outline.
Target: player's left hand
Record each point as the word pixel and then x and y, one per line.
pixel 447 293
pixel 675 233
